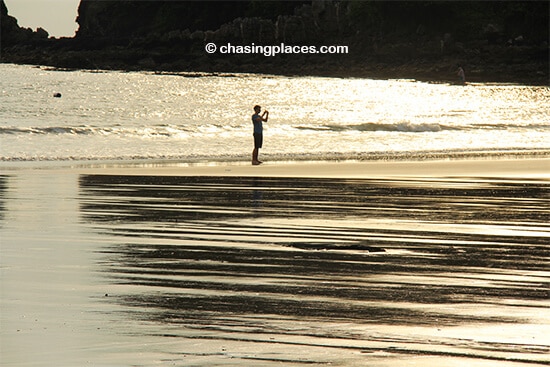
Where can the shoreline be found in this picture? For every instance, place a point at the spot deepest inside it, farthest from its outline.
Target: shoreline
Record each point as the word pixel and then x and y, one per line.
pixel 428 73
pixel 436 168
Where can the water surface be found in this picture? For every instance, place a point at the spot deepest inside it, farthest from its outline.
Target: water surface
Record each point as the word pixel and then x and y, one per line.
pixel 206 271
pixel 189 117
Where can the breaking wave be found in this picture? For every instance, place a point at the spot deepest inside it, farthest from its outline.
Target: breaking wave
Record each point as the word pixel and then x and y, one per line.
pixel 372 126
pixel 91 130
pixel 57 130
pixel 177 130
pixel 407 127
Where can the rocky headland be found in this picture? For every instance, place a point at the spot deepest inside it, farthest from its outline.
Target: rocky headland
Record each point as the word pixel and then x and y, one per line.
pixel 427 40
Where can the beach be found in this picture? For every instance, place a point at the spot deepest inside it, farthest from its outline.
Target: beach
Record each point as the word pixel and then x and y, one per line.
pixel 468 167
pixel 352 263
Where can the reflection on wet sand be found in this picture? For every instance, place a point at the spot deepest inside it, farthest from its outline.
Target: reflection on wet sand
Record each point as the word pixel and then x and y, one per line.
pixel 3 189
pixel 336 271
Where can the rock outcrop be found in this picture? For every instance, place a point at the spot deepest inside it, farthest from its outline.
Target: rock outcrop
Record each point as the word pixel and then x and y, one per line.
pixel 495 41
pixel 11 34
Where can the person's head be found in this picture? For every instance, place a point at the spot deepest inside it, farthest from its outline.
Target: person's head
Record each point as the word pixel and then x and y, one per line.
pixel 257 109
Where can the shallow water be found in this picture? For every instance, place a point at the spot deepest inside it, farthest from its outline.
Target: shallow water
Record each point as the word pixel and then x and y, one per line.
pixel 110 270
pixel 116 115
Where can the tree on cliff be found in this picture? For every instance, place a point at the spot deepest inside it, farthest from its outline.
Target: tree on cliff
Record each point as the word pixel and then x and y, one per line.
pixel 126 19
pixel 465 19
pixel 495 36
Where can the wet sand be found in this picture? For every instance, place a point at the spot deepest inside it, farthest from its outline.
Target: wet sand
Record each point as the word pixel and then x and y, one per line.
pixel 438 263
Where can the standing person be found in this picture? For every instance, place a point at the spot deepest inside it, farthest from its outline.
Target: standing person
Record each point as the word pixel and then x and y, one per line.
pixel 258 121
pixel 461 75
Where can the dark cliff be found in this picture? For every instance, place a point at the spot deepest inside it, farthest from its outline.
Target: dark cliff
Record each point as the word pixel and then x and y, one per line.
pixel 121 20
pixel 497 40
pixel 11 34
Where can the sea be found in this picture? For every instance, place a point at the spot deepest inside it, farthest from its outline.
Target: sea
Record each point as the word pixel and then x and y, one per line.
pixel 58 115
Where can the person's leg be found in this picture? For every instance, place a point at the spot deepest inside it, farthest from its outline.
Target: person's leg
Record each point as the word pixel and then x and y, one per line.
pixel 257 145
pixel 255 156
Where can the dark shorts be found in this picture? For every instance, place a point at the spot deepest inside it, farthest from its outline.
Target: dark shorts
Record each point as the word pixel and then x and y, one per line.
pixel 258 140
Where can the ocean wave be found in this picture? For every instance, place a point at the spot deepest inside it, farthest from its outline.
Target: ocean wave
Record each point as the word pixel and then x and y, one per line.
pixel 166 131
pixel 407 127
pixel 53 130
pixel 422 155
pixel 373 126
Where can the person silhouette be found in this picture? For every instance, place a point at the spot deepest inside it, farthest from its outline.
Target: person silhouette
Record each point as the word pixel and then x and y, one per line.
pixel 461 75
pixel 258 121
